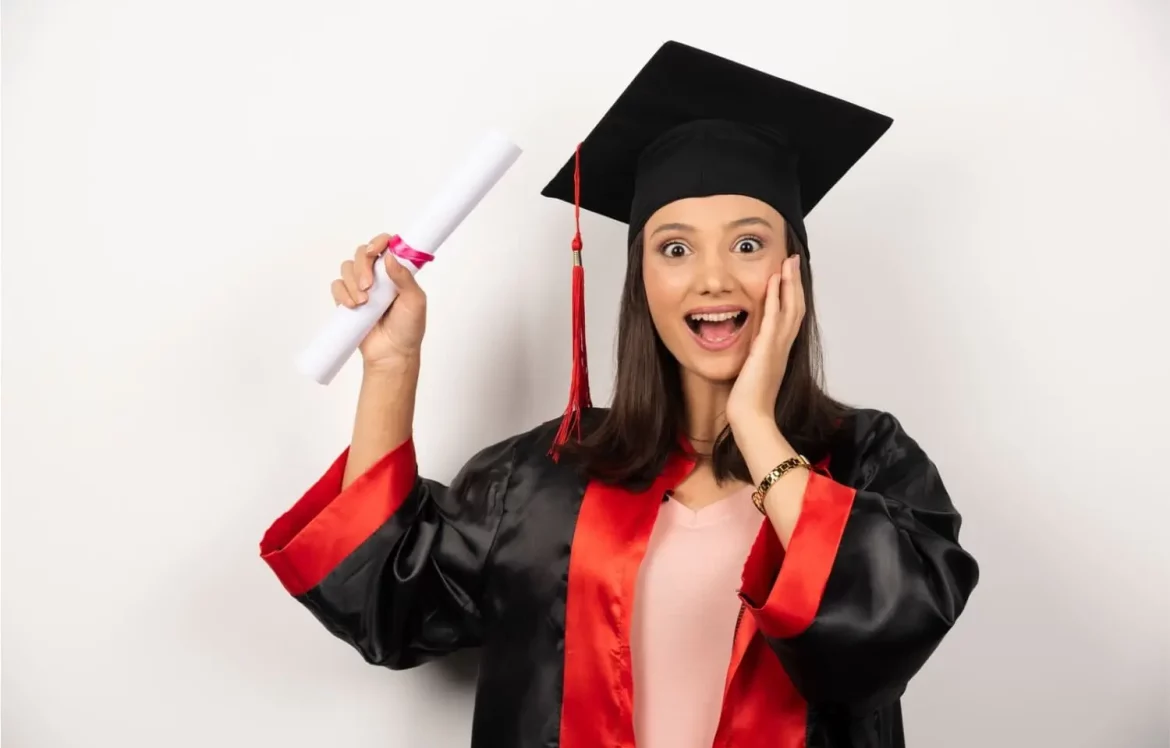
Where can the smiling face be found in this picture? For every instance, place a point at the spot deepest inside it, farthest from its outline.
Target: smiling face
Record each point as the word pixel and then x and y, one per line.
pixel 706 266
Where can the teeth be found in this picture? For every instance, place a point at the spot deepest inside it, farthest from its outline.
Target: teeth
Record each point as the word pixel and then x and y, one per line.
pixel 715 317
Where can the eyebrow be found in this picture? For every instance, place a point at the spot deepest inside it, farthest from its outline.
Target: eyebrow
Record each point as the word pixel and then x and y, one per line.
pixel 673 227
pixel 749 221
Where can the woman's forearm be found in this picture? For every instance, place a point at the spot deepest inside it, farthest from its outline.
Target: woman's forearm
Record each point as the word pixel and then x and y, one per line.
pixel 763 448
pixel 385 414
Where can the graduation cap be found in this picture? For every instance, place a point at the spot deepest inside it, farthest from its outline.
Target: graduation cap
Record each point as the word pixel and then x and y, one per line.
pixel 693 124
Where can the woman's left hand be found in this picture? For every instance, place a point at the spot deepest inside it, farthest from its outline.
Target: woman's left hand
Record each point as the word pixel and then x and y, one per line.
pixel 753 397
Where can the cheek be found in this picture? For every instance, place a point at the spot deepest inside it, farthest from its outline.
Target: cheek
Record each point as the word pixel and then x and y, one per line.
pixel 755 286
pixel 664 293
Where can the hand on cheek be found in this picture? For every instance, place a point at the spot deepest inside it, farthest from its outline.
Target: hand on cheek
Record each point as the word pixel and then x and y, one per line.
pixel 758 384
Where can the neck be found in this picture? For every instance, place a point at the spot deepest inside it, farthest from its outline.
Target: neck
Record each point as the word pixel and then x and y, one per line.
pixel 706 404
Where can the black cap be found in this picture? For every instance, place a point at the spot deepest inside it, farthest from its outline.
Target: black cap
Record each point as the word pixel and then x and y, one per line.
pixel 692 124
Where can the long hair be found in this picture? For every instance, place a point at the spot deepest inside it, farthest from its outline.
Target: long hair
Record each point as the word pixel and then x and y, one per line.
pixel 631 442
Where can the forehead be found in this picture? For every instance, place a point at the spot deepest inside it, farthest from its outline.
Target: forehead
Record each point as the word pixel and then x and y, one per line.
pixel 715 211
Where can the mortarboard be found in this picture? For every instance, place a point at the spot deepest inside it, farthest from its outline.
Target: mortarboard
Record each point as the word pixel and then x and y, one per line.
pixel 693 124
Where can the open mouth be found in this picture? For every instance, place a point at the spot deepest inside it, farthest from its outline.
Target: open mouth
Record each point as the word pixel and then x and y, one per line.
pixel 716 329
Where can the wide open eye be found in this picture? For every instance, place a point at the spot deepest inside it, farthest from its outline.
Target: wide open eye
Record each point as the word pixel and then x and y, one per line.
pixel 748 245
pixel 675 249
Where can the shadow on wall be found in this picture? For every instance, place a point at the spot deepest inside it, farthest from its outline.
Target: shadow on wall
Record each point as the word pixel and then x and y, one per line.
pixel 226 608
pixel 458 671
pixel 1031 624
pixel 476 384
pixel 228 614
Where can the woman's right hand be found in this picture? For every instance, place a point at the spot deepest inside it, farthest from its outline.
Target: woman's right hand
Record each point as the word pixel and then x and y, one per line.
pixel 397 337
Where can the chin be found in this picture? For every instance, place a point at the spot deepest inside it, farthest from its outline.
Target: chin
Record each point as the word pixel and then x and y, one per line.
pixel 717 368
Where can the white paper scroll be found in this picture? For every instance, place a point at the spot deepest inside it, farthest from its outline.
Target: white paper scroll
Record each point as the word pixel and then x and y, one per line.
pixel 481 170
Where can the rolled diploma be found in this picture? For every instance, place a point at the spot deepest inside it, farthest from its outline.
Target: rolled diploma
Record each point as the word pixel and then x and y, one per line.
pixel 346 329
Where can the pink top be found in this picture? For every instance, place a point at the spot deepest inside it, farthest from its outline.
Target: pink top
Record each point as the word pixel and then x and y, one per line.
pixel 685 608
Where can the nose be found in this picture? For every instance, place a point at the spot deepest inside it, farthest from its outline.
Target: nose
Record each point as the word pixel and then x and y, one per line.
pixel 713 277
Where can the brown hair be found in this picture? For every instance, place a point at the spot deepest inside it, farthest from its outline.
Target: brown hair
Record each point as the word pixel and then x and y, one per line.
pixel 631 441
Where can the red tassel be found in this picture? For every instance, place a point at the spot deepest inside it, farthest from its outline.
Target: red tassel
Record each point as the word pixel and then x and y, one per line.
pixel 579 396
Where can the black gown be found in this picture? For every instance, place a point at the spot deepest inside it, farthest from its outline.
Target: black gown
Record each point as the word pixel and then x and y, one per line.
pixel 525 559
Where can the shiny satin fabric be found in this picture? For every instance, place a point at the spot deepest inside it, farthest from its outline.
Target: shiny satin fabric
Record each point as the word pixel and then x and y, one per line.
pixel 525 559
pixel 898 583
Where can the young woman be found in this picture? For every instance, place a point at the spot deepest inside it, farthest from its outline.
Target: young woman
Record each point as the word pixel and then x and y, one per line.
pixel 726 556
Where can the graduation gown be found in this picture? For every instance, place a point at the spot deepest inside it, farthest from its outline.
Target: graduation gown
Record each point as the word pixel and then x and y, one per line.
pixel 524 558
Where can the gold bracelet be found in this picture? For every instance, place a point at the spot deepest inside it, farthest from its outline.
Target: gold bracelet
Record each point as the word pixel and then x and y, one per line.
pixel 777 473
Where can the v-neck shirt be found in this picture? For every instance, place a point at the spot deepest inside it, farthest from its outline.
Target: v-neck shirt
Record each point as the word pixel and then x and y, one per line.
pixel 685 610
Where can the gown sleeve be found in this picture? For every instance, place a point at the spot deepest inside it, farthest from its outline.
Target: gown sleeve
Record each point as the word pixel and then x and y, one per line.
pixel 393 563
pixel 873 576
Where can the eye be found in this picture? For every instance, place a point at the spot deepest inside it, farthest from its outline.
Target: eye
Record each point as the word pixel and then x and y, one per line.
pixel 748 245
pixel 674 249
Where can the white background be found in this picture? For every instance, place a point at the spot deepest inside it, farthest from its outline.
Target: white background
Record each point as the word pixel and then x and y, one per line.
pixel 182 179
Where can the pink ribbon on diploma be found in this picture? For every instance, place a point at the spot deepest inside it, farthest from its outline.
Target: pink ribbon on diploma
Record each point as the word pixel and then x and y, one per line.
pixel 399 248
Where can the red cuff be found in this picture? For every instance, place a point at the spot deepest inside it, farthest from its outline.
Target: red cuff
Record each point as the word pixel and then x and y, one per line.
pixel 327 524
pixel 790 584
